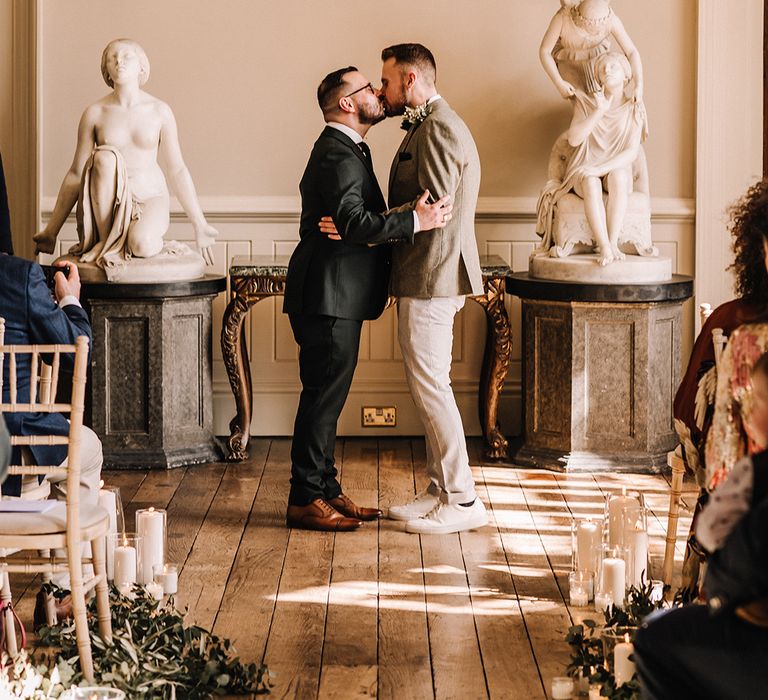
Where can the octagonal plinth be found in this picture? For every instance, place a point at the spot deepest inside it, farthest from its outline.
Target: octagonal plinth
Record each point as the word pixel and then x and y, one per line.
pixel 151 368
pixel 600 370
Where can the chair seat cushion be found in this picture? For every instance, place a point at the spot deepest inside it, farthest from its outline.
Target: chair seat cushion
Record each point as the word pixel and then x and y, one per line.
pixel 51 522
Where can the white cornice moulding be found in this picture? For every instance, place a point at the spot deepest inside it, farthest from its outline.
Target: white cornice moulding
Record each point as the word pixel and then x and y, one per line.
pixel 287 209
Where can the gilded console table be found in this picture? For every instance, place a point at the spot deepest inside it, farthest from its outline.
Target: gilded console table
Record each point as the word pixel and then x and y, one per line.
pixel 259 277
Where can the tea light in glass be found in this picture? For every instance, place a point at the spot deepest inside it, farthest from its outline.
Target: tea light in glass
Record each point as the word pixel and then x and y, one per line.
pixel 562 688
pixel 579 585
pixel 94 693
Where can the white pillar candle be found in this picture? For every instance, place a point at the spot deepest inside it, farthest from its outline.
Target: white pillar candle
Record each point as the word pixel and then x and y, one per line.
pixel 589 537
pixel 615 580
pixel 562 688
pixel 168 578
pixel 623 511
pixel 657 591
pixel 640 555
pixel 623 667
pixel 150 524
pixel 155 590
pixel 108 501
pixel 125 565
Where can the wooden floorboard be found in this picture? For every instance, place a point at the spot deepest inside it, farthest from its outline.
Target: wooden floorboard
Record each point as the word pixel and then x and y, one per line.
pixel 379 612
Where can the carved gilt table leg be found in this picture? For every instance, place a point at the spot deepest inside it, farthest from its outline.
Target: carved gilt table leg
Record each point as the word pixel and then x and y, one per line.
pixel 498 350
pixel 235 352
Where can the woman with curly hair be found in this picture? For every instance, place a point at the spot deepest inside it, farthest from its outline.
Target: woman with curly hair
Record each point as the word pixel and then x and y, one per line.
pixel 694 401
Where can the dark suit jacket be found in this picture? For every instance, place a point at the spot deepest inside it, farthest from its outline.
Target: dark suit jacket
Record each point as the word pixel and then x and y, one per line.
pixel 6 242
pixel 347 278
pixel 32 316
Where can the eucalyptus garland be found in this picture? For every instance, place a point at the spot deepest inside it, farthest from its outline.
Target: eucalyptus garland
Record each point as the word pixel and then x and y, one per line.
pixel 152 655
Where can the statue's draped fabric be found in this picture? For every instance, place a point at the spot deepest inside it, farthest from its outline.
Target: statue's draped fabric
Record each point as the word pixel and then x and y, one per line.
pixel 613 134
pixel 114 251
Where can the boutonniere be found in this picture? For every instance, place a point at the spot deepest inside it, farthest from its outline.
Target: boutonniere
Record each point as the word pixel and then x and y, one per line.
pixel 415 115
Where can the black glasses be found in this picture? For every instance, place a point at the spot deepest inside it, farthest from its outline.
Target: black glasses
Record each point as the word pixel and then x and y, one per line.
pixel 365 87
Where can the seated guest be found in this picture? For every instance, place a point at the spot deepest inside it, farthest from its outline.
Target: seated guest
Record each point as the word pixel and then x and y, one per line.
pixel 694 406
pixel 34 316
pixel 720 650
pixel 694 401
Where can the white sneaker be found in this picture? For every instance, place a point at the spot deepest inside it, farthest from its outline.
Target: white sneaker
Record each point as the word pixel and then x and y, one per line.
pixel 417 508
pixel 444 519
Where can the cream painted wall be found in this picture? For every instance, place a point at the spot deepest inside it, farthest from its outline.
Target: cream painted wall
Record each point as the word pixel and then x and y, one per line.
pixel 240 76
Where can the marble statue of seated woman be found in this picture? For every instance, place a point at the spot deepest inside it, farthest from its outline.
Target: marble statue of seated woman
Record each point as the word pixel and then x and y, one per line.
pixel 120 190
pixel 596 197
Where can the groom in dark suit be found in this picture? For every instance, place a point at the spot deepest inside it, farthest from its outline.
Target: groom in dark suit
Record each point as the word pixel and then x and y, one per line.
pixel 332 286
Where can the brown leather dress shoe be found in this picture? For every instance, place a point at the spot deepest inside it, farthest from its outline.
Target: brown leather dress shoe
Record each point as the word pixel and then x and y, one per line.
pixel 318 515
pixel 345 506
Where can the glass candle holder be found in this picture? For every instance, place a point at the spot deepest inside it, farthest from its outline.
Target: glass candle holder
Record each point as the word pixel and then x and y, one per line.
pixel 612 578
pixel 94 693
pixel 617 648
pixel 168 577
pixel 586 541
pixel 657 591
pixel 580 585
pixel 127 550
pixel 109 500
pixel 622 512
pixel 151 525
pixel 562 688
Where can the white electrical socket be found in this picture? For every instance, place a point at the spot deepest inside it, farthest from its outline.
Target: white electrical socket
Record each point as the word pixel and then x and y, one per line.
pixel 379 416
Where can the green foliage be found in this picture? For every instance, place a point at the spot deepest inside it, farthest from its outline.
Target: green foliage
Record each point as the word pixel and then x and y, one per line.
pixel 587 656
pixel 153 655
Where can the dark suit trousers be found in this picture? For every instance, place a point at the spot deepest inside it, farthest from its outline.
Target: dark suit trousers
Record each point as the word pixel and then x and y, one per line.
pixel 689 653
pixel 328 349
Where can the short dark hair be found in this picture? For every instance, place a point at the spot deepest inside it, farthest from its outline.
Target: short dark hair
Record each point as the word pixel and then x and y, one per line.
pixel 331 87
pixel 760 368
pixel 416 55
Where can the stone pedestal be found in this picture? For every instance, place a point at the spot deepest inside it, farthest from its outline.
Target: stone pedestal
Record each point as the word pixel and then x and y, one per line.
pixel 151 384
pixel 600 370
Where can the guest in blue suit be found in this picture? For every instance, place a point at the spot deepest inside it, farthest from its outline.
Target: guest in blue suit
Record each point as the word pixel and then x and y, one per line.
pixel 33 315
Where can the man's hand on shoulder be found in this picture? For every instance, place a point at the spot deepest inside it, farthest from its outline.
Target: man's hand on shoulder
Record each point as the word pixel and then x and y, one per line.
pixel 433 215
pixel 68 286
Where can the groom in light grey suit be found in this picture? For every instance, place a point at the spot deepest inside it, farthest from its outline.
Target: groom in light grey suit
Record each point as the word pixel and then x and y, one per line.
pixel 431 279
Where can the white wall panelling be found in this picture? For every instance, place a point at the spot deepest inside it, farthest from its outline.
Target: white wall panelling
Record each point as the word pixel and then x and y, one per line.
pixel 268 225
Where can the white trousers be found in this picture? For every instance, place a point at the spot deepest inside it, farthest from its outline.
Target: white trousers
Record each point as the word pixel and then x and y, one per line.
pixel 425 332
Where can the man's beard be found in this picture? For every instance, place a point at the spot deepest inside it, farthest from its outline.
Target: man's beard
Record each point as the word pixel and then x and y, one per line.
pixel 369 115
pixel 398 108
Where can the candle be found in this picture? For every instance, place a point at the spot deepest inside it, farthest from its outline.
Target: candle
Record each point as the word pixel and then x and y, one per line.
pixel 155 590
pixel 125 564
pixel 108 501
pixel 579 584
pixel 150 524
pixel 624 668
pixel 623 512
pixel 588 540
pixel 168 578
pixel 614 580
pixel 594 692
pixel 562 688
pixel 579 598
pixel 639 539
pixel 657 591
pixel 602 602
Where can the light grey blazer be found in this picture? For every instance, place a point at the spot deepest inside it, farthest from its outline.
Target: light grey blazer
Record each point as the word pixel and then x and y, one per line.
pixel 439 155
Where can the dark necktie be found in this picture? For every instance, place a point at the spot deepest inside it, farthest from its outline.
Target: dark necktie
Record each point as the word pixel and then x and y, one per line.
pixel 366 151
